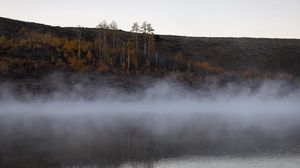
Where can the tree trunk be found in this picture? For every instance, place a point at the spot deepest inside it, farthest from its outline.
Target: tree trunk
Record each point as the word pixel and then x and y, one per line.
pixel 79 45
pixel 128 59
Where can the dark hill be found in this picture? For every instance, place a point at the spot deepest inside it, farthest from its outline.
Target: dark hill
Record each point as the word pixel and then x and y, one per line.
pixel 24 41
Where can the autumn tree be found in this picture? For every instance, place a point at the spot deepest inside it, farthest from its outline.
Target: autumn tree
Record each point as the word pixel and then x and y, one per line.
pixel 122 58
pixel 179 61
pixel 131 62
pixel 128 57
pixel 102 27
pixel 136 29
pixel 114 28
pixel 76 64
pixel 69 46
pixel 144 31
pixel 79 41
pixel 151 40
pixel 89 56
pixel 99 43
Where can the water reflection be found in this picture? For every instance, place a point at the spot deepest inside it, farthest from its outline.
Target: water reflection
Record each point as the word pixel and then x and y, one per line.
pixel 142 140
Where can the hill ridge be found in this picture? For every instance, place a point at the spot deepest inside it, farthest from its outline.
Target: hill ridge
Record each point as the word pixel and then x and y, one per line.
pixel 175 53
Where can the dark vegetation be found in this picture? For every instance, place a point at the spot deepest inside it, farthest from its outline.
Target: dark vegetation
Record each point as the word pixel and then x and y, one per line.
pixel 30 49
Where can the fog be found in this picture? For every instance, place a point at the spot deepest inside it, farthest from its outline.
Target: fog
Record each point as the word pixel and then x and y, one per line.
pixel 168 98
pixel 76 123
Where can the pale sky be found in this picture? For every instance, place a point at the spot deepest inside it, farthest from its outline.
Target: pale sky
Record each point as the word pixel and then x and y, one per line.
pixel 211 18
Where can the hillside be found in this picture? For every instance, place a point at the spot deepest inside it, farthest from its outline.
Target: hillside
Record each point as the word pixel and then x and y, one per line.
pixel 36 49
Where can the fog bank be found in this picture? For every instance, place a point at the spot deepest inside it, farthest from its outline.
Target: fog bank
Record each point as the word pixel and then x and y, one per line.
pixel 165 119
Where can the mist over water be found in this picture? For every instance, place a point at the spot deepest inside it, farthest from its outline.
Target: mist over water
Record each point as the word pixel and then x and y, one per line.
pixel 80 125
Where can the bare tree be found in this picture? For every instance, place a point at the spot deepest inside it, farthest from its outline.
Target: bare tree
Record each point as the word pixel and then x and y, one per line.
pixel 99 43
pixel 156 56
pixel 128 66
pixel 144 30
pixel 113 26
pixel 123 48
pixel 149 28
pixel 136 29
pixel 102 41
pixel 150 37
pixel 144 27
pixel 103 25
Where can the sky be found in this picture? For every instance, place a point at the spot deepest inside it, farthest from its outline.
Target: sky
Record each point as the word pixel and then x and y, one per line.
pixel 209 18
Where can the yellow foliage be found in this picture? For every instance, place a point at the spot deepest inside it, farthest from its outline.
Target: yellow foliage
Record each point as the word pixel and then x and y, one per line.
pixel 70 45
pixel 204 66
pixel 133 55
pixel 86 46
pixel 89 56
pixel 56 42
pixel 76 64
